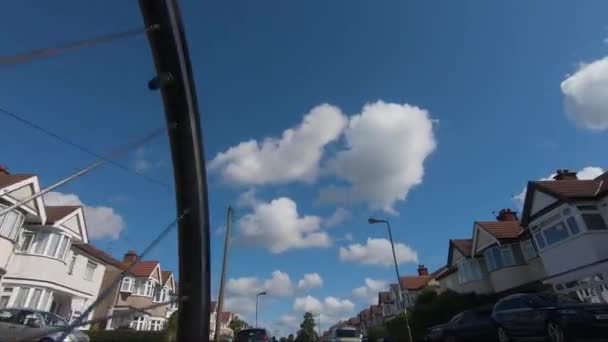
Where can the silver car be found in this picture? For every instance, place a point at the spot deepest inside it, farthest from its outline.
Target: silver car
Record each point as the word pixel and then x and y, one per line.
pixel 34 325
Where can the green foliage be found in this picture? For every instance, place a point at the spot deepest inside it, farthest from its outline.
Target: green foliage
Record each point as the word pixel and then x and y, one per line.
pixel 307 329
pixel 171 328
pixel 126 336
pixel 375 333
pixel 397 327
pixel 290 338
pixel 236 325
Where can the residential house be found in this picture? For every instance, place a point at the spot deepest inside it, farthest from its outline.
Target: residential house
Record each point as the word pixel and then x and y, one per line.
pixel 376 318
pixel 465 271
pixel 388 304
pixel 39 266
pixel 413 286
pixel 364 319
pixel 566 219
pixel 140 296
pixel 503 253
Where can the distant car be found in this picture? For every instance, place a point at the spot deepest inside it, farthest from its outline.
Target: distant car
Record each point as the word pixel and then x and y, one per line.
pixel 470 325
pixel 346 334
pixel 252 335
pixel 27 325
pixel 548 316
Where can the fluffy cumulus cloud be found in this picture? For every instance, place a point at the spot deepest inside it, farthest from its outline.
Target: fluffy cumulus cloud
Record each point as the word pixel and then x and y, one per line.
pixel 588 172
pixel 293 157
pixel 278 226
pixel 331 308
pixel 386 146
pixel 369 291
pixel 585 94
pixel 378 252
pixel 309 281
pixel 102 222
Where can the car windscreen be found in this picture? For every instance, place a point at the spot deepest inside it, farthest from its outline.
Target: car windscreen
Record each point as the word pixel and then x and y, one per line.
pixel 52 320
pixel 250 334
pixel 346 333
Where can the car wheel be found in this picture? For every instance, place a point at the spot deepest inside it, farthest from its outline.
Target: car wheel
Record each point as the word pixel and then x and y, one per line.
pixel 502 335
pixel 555 333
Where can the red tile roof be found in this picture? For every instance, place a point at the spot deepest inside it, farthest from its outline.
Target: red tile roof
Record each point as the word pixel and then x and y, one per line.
pixel 364 314
pixel 575 188
pixel 502 230
pixel 7 180
pixel 414 282
pixel 445 272
pixel 463 245
pixel 142 268
pixel 98 253
pixel 56 213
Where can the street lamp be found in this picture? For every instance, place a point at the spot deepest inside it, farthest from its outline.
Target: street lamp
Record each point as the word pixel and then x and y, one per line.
pixel 372 220
pixel 257 296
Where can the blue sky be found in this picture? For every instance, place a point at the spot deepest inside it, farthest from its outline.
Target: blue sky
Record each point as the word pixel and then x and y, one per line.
pixel 484 96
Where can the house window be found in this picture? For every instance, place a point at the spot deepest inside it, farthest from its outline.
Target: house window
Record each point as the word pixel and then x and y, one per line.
pixel 540 240
pixel 40 242
pixel 53 244
pixel 573 226
pixel 63 249
pixel 499 257
pixel 507 255
pixel 469 270
pixel 4 301
pixel 88 273
pixel 594 221
pixel 71 266
pixel 127 285
pixel 49 244
pixel 555 234
pixel 26 241
pixel 35 299
pixel 21 297
pixel 10 224
pixel 528 250
pixel 44 300
pixel 156 325
pixel 149 288
pixel 158 294
pixel 139 323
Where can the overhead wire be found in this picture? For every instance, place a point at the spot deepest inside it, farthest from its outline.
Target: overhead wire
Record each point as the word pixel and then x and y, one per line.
pixel 79 147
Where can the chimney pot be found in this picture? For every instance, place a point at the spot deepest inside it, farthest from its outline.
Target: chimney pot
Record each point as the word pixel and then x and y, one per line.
pixel 4 169
pixel 565 174
pixel 422 270
pixel 506 215
pixel 130 257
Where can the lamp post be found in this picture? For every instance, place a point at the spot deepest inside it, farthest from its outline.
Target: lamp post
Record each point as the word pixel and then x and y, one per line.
pixel 257 296
pixel 372 220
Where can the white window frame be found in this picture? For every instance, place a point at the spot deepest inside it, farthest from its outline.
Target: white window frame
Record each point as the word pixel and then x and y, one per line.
pixel 71 264
pixel 10 232
pixel 22 248
pixel 89 272
pixel 592 211
pixel 506 253
pixel 528 250
pixel 127 284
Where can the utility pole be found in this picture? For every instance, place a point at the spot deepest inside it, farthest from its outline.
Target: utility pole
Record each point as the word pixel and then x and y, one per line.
pixel 220 300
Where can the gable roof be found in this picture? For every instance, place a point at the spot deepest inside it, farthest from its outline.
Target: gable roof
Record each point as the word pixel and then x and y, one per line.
pixel 98 254
pixel 565 190
pixel 445 272
pixel 8 180
pixel 414 282
pixel 463 245
pixel 166 276
pixel 55 213
pixel 503 231
pixel 142 268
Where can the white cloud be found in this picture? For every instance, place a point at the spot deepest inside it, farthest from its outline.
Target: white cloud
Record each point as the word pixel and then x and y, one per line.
pixel 278 226
pixel 588 172
pixel 348 237
pixel 369 292
pixel 307 304
pixel 331 308
pixel 293 157
pixel 309 281
pixel 386 146
pixel 243 306
pixel 337 218
pixel 102 222
pixel 378 252
pixel 290 321
pixel 278 285
pixel 244 286
pixel 585 94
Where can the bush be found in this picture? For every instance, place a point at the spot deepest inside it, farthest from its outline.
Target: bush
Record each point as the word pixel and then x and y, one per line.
pixel 375 333
pixel 126 335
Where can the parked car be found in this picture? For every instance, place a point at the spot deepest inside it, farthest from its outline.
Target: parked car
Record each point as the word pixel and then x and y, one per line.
pixel 346 334
pixel 470 325
pixel 548 316
pixel 28 325
pixel 252 335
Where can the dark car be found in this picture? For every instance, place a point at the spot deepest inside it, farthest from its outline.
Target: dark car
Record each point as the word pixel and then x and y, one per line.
pixel 471 325
pixel 549 316
pixel 252 335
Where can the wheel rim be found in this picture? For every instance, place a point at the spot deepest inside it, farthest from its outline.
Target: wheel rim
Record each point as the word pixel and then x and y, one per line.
pixel 502 335
pixel 555 332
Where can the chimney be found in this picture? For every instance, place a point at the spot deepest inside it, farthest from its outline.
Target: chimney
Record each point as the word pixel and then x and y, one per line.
pixel 130 257
pixel 423 271
pixel 565 174
pixel 4 170
pixel 506 215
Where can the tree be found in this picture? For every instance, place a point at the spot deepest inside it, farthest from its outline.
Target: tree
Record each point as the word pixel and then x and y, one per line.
pixel 282 339
pixel 307 329
pixel 236 324
pixel 290 338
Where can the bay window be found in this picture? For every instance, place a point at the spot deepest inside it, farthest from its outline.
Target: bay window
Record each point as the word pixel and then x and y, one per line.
pixel 528 250
pixel 127 284
pixel 50 244
pixel 498 257
pixel 469 270
pixel 10 224
pixel 90 270
pixel 556 233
